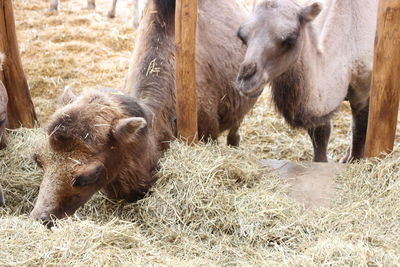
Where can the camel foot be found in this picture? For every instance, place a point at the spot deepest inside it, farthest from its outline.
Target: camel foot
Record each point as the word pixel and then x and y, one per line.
pixel 90 6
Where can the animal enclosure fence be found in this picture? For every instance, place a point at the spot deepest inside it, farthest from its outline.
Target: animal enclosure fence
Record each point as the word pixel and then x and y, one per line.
pixel 21 111
pixel 385 84
pixel 384 89
pixel 185 39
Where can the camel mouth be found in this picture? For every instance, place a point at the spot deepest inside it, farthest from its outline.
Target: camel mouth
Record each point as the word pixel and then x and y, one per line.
pixel 48 219
pixel 253 91
pixel 253 94
pixel 46 214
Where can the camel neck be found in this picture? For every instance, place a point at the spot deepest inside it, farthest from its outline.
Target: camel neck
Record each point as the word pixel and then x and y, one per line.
pixel 317 82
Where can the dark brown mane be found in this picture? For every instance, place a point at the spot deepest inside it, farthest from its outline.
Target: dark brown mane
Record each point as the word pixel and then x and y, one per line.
pixel 165 9
pixel 157 75
pixel 117 140
pixel 152 73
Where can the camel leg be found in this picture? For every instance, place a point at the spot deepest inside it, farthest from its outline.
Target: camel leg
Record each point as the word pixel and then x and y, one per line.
pixel 209 126
pixel 320 138
pixel 210 132
pixel 53 6
pixel 233 137
pixel 91 4
pixel 111 12
pixel 359 132
pixel 136 13
pixel 2 201
pixel 3 139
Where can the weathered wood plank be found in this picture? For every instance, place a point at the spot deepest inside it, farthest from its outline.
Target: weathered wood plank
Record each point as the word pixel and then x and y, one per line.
pixel 21 111
pixel 185 37
pixel 385 86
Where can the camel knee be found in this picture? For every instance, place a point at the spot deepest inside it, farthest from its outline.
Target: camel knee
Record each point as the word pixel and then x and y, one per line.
pixel 53 6
pixel 91 4
pixel 111 12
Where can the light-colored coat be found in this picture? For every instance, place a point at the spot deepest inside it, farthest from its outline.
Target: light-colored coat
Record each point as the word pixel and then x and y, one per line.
pixel 312 65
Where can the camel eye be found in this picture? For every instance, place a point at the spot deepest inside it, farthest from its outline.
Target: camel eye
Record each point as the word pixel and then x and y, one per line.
pixel 90 177
pixel 38 160
pixel 241 36
pixel 290 41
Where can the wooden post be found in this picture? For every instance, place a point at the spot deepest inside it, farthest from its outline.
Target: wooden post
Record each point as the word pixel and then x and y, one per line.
pixel 185 38
pixel 385 86
pixel 20 107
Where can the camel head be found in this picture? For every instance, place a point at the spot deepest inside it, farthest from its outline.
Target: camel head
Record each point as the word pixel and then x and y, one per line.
pixel 274 36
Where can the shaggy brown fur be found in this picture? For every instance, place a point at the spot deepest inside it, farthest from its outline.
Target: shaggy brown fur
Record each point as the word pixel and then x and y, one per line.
pixel 218 57
pixel 113 142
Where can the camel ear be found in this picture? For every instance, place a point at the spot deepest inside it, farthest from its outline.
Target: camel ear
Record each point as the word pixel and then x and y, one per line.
pixel 310 12
pixel 127 129
pixel 67 97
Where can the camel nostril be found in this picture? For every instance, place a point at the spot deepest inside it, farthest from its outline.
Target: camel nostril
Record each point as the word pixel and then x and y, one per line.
pixel 44 216
pixel 247 71
pixel 48 224
pixel 46 220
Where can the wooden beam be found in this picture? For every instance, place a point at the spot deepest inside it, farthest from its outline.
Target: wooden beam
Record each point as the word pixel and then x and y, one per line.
pixel 385 86
pixel 185 37
pixel 20 107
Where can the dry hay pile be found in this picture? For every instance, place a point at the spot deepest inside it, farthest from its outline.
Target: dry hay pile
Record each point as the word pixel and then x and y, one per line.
pixel 75 47
pixel 212 205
